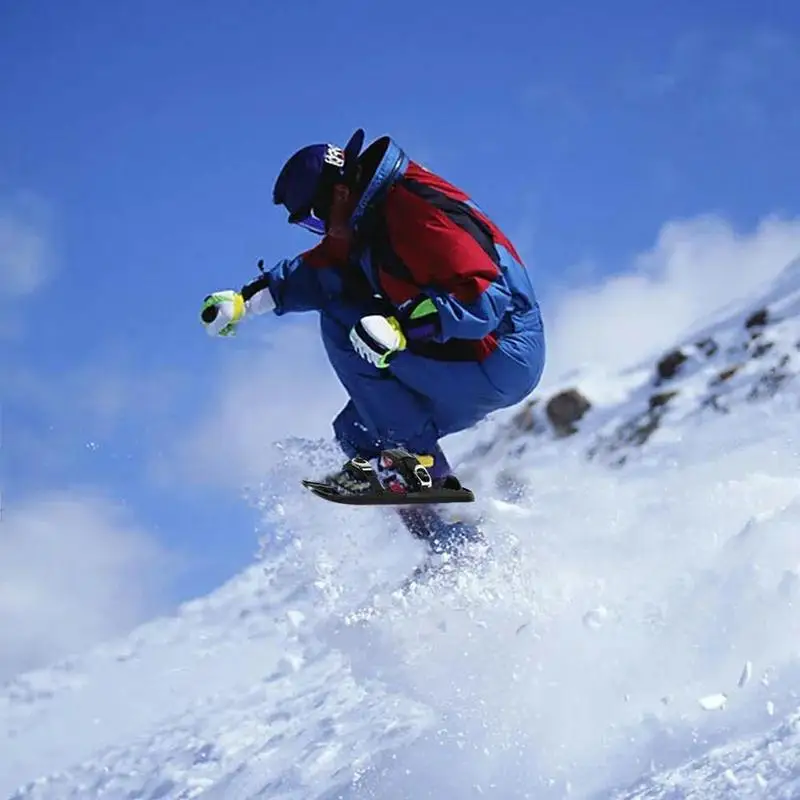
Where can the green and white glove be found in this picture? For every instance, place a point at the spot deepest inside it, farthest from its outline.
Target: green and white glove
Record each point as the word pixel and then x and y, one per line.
pixel 222 312
pixel 377 339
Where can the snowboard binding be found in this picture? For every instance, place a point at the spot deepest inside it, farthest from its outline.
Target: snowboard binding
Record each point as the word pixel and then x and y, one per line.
pixel 403 480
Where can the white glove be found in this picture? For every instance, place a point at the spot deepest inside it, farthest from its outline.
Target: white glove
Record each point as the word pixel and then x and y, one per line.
pixel 377 339
pixel 222 312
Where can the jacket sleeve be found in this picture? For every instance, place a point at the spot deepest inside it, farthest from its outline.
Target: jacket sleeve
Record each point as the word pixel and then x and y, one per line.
pixel 298 284
pixel 457 277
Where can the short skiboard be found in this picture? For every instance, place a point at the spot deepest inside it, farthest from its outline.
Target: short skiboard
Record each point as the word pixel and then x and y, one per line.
pixel 386 497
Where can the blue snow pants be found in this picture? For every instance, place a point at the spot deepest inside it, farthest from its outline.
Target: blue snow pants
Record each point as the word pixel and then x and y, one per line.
pixel 416 400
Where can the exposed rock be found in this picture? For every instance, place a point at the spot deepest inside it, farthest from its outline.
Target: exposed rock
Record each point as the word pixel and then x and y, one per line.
pixel 633 433
pixel 726 374
pixel 771 381
pixel 661 399
pixel 525 419
pixel 759 348
pixel 565 409
pixel 641 428
pixel 669 365
pixel 708 347
pixel 768 385
pixel 758 319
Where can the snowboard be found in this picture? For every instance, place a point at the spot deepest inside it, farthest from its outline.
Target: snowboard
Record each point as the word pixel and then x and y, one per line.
pixel 386 497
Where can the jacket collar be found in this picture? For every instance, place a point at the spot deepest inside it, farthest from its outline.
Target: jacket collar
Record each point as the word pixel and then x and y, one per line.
pixel 391 166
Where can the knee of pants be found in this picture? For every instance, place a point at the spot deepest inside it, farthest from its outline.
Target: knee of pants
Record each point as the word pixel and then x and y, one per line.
pixel 336 341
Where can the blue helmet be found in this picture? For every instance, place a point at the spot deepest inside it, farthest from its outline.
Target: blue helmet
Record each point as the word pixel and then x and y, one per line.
pixel 304 184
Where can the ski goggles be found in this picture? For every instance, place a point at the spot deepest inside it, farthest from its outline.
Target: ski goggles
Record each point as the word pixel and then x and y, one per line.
pixel 310 215
pixel 309 220
pixel 305 183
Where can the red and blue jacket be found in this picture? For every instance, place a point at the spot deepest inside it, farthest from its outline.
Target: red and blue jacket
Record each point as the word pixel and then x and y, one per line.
pixel 435 260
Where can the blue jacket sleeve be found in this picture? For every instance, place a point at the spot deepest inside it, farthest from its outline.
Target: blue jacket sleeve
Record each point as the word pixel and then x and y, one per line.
pixel 304 283
pixel 438 315
pixel 475 319
pixel 295 286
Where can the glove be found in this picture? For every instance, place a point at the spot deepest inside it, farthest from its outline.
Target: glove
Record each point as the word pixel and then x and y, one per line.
pixel 377 339
pixel 222 312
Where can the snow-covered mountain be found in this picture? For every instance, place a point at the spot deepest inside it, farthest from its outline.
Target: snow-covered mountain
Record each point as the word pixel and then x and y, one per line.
pixel 746 353
pixel 637 635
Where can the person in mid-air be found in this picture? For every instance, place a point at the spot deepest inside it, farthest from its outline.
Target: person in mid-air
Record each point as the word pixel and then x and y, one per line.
pixel 428 315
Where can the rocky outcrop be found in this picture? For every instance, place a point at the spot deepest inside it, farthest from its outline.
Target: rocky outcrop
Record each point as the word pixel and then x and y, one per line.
pixel 725 375
pixel 661 399
pixel 751 359
pixel 670 364
pixel 635 432
pixel 708 347
pixel 715 403
pixel 758 347
pixel 565 410
pixel 526 420
pixel 772 380
pixel 757 320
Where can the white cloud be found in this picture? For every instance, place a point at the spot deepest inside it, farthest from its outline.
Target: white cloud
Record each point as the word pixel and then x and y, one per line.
pixel 73 571
pixel 281 387
pixel 103 392
pixel 695 267
pixel 24 254
pixel 26 260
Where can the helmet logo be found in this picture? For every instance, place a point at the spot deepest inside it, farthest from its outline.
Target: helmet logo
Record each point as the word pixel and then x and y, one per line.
pixel 334 156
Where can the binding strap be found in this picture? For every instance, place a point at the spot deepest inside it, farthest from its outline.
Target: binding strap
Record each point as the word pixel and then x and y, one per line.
pixel 408 467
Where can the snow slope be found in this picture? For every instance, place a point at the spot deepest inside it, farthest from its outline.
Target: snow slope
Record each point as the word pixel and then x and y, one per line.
pixel 637 635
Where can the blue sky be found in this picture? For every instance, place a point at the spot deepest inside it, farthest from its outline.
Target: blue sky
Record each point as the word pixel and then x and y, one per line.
pixel 138 149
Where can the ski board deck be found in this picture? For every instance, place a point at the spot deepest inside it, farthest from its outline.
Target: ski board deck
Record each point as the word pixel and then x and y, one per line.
pixel 432 496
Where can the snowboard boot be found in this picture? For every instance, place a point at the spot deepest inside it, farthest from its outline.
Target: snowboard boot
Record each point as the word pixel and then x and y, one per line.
pixel 394 470
pixel 357 476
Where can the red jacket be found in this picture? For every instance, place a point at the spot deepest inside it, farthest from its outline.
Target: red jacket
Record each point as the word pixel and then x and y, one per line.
pixel 447 272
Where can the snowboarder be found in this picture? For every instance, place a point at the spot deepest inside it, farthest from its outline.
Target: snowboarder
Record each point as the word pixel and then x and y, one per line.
pixel 428 315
